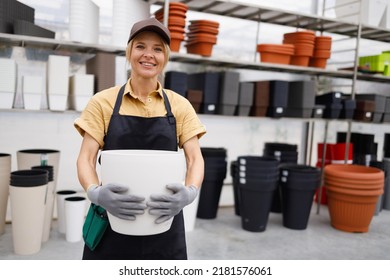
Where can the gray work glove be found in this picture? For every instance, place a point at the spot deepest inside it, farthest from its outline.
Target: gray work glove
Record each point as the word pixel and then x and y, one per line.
pixel 168 205
pixel 113 198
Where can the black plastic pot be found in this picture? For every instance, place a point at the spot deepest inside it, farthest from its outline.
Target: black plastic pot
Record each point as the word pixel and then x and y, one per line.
pixel 296 205
pixel 259 176
pixel 285 153
pixel 258 161
pixel 255 207
pixel 48 168
pixel 209 199
pixel 298 184
pixel 29 178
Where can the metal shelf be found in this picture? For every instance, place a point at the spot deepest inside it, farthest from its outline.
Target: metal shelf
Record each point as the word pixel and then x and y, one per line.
pixel 230 63
pixel 259 13
pixel 56 45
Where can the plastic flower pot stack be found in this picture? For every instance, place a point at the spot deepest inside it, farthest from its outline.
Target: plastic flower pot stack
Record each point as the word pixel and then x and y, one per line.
pixel 298 183
pixel 257 181
pixel 321 54
pixel 215 167
pixel 276 53
pixel 284 153
pixel 334 154
pixel 303 42
pixel 27 197
pixel 176 23
pixel 202 36
pixel 353 192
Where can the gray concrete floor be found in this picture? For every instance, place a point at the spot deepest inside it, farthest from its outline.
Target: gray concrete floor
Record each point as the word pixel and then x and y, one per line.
pixel 223 238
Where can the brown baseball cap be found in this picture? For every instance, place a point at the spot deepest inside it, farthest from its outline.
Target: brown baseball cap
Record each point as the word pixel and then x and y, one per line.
pixel 150 24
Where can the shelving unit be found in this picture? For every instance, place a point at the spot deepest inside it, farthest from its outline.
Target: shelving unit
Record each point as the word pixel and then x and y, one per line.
pixel 262 14
pixel 233 9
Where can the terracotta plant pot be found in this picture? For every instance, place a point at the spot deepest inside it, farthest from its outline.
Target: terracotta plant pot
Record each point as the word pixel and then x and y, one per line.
pixel 357 185
pixel 176 39
pixel 350 212
pixel 202 48
pixel 177 29
pixel 321 53
pixel 203 29
pixel 323 42
pixel 204 22
pixel 275 57
pixel 202 37
pixel 300 60
pixel 353 171
pixel 275 53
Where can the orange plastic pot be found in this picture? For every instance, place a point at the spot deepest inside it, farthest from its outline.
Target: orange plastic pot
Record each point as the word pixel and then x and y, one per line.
pixel 274 57
pixel 349 212
pixel 323 46
pixel 202 37
pixel 174 6
pixel 202 48
pixel 280 48
pixel 321 53
pixel 353 171
pixel 318 62
pixel 176 29
pixel 176 39
pixel 347 185
pixel 303 52
pixel 300 60
pixel 178 13
pixel 297 41
pixel 205 22
pixel 203 29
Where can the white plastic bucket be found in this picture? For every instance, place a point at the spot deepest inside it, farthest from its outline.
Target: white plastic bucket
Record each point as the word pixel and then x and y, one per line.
pixel 145 172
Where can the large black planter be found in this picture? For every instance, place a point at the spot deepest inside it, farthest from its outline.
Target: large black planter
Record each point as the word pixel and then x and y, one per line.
pixel 214 176
pixel 297 191
pixel 210 194
pixel 255 206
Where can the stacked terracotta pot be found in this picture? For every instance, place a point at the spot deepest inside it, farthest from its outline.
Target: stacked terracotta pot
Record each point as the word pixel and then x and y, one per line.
pixel 352 191
pixel 304 46
pixel 202 36
pixel 176 23
pixel 276 53
pixel 322 47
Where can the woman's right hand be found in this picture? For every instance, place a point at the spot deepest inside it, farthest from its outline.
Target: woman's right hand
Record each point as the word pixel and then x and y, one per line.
pixel 112 197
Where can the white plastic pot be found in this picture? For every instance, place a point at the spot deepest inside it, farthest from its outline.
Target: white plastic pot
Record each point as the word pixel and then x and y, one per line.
pixel 74 217
pixel 145 172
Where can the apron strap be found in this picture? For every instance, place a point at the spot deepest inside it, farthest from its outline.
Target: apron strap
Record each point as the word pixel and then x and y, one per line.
pixel 170 116
pixel 118 101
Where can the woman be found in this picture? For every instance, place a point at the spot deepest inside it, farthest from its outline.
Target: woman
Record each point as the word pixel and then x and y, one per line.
pixel 141 115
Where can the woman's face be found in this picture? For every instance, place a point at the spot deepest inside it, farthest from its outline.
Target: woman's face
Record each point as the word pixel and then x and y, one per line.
pixel 147 56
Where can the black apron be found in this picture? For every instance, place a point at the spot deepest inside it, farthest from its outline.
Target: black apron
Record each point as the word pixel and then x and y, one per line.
pixel 133 132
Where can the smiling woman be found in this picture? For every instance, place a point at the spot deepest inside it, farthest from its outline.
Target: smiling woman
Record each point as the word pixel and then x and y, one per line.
pixel 141 115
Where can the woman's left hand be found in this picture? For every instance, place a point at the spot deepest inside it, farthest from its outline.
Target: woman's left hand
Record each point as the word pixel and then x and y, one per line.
pixel 168 205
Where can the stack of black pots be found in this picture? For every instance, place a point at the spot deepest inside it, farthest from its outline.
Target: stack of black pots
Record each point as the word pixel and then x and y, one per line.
pixel 257 179
pixel 285 153
pixel 298 184
pixel 364 147
pixel 215 164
